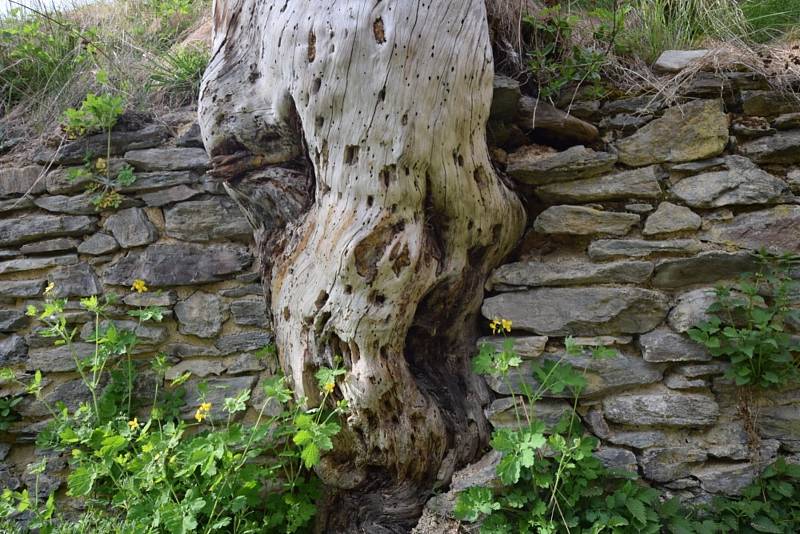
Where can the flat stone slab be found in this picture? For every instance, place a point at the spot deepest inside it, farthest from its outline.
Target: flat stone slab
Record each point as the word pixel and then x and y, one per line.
pixel 765 103
pixel 20 180
pixel 661 406
pixel 21 289
pixel 176 264
pixel 585 311
pixel 58 359
pixel 664 345
pixel 537 168
pixel 59 244
pixel 608 249
pixel 663 464
pixel 670 218
pixel 206 220
pixel 691 309
pixel 35 227
pixel 202 315
pixel 743 185
pixel 633 184
pixel 98 244
pixel 501 413
pixel 705 268
pixel 131 228
pixel 580 220
pixel 782 148
pixel 515 276
pixel 32 264
pixel 526 347
pixel 775 229
pixel 677 60
pixel 168 159
pixel 696 130
pixel 602 375
pixel 77 280
pixel 96 145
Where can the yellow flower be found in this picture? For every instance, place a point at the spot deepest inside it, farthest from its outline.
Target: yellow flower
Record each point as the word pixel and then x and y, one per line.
pixel 100 164
pixel 133 424
pixel 328 387
pixel 49 288
pixel 139 286
pixel 202 411
pixel 500 325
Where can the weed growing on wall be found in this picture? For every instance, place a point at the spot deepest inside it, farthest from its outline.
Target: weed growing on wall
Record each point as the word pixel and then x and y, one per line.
pixel 748 325
pixel 147 468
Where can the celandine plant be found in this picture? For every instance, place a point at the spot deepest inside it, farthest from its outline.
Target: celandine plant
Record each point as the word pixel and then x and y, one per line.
pixel 142 468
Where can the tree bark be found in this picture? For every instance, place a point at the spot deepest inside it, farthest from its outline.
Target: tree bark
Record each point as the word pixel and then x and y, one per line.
pixel 352 134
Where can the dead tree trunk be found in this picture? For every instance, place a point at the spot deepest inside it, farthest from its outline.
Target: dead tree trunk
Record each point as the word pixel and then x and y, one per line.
pixel 379 253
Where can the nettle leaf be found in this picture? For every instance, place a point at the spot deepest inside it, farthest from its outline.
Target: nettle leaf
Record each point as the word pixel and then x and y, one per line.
pixel 637 510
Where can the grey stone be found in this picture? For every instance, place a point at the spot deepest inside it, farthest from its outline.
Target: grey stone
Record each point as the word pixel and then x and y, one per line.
pixel 501 412
pixel 793 178
pixel 505 99
pixel 20 180
pixel 188 350
pixel 768 103
pixel 670 218
pixel 580 311
pixel 697 370
pixel 625 123
pixel 526 347
pixel 243 291
pixel 197 367
pixel 607 249
pixel 602 375
pixel 59 181
pixel 72 393
pixel 780 422
pixel 775 229
pixel 191 138
pixel 32 264
pixel 638 439
pixel 58 244
pixel 637 183
pixel 664 345
pixel 246 363
pixel 677 381
pixel 661 406
pixel 581 220
pixel 726 478
pixel 21 289
pixel 164 299
pixel 243 341
pixel 98 244
pixel 705 268
pixel 153 181
pixel 96 145
pixel 636 104
pixel 576 162
pixel 178 264
pixel 206 220
pixel 691 309
pixel 696 167
pixel 602 341
pixel 782 148
pixel 35 227
pixel 787 121
pixel 617 458
pixel 639 207
pixel 218 389
pixel 148 334
pixel 77 280
pixel 202 315
pixel 58 359
pixel 74 205
pixel 13 349
pixel 664 464
pixel 514 276
pixel 696 130
pixel 251 312
pixel 677 60
pixel 743 185
pixel 14 204
pixel 168 159
pixel 131 228
pixel 168 196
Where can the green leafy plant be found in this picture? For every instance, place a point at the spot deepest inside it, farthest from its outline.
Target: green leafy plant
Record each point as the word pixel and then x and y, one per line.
pixel 151 470
pixel 748 322
pixel 551 481
pixel 99 114
pixel 178 74
pixel 7 413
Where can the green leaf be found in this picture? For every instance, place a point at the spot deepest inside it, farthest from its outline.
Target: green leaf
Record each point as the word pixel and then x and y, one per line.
pixel 310 455
pixel 80 481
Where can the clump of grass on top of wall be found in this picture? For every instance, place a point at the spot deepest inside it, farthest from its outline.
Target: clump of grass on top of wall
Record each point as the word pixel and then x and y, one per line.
pixel 48 59
pixel 770 19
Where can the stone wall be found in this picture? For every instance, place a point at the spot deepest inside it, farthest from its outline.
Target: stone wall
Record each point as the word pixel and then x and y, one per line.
pixel 641 210
pixel 637 210
pixel 176 229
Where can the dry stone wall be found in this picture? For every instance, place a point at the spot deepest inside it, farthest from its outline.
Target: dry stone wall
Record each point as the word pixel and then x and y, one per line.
pixel 629 233
pixel 176 229
pixel 636 210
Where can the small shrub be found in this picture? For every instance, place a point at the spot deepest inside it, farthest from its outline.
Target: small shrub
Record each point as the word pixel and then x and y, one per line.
pixel 178 74
pixel 748 325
